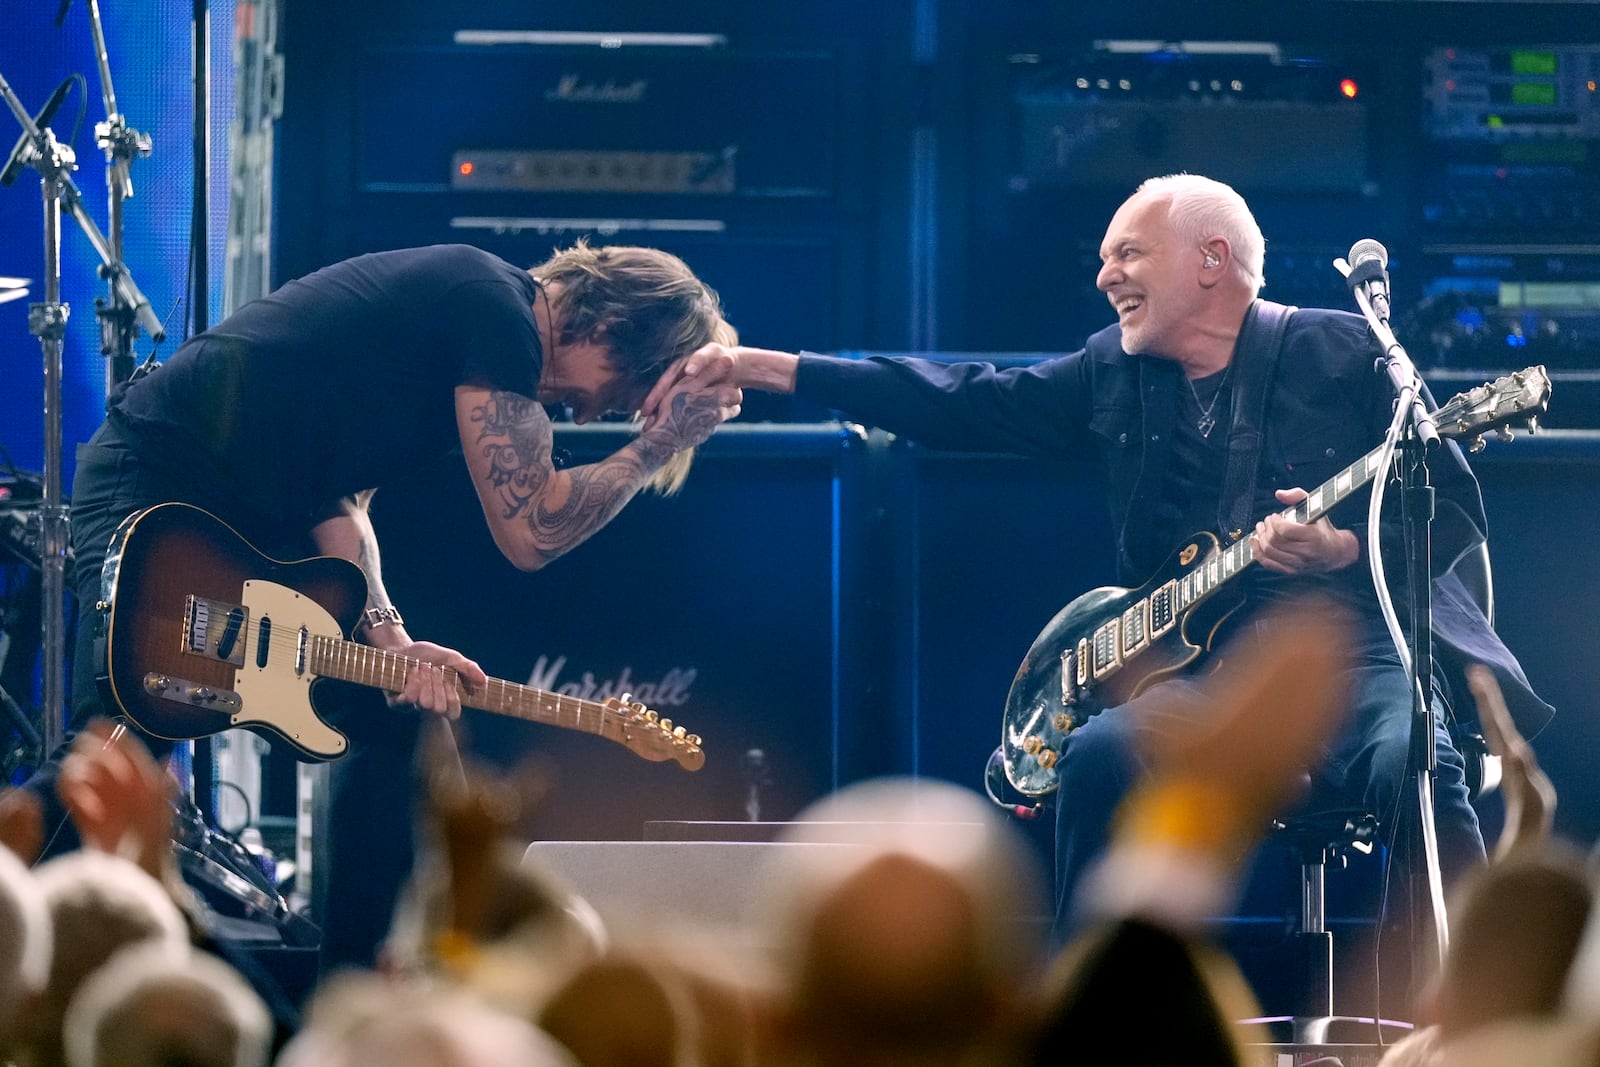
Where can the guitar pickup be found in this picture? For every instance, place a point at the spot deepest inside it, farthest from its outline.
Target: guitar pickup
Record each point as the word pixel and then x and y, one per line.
pixel 1108 647
pixel 1161 610
pixel 1133 629
pixel 183 691
pixel 214 629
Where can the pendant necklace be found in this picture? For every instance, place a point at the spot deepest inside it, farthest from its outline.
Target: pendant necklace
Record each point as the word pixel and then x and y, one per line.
pixel 1205 424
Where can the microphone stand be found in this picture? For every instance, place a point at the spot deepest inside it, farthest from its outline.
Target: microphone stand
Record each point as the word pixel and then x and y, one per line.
pixel 1418 435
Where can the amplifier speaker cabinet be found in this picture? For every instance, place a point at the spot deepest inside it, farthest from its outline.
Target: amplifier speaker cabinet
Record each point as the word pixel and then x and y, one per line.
pixel 718 608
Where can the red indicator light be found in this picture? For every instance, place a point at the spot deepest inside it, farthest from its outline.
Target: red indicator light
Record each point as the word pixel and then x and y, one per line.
pixel 466 167
pixel 1348 88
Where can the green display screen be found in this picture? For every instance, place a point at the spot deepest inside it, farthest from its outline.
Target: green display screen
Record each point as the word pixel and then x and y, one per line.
pixel 1533 93
pixel 1533 62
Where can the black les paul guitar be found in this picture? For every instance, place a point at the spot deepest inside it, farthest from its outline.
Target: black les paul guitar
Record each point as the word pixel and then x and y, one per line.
pixel 1112 643
pixel 204 633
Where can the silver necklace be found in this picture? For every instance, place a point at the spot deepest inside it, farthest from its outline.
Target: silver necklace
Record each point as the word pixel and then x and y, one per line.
pixel 1205 423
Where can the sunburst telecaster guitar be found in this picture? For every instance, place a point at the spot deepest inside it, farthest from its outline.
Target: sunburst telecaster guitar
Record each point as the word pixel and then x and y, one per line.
pixel 1112 643
pixel 204 633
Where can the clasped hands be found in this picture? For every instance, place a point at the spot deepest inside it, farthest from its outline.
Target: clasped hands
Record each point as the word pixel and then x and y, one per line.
pixel 712 367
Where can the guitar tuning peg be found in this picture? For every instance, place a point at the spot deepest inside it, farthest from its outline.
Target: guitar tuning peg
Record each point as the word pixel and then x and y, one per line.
pixel 666 724
pixel 1476 444
pixel 1504 434
pixel 638 708
pixel 625 698
pixel 693 739
pixel 650 716
pixel 678 731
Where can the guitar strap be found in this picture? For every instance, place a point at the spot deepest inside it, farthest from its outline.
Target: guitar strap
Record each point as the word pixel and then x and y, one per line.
pixel 1255 361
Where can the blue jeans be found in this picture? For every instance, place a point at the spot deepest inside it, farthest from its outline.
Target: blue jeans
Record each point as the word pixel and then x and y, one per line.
pixel 1364 765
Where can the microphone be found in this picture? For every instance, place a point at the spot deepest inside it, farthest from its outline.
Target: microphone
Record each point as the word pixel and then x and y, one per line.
pixel 51 106
pixel 1369 273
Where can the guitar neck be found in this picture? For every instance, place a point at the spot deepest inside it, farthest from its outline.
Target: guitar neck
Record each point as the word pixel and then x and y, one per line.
pixel 351 661
pixel 1239 555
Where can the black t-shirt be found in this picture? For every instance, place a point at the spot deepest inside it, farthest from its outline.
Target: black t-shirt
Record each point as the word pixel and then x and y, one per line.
pixel 1193 485
pixel 337 382
pixel 1191 496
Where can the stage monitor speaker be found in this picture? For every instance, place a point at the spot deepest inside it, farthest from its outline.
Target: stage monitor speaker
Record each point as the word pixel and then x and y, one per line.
pixel 645 887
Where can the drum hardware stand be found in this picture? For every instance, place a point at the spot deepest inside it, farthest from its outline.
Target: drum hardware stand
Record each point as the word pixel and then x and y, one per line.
pixel 48 321
pixel 121 143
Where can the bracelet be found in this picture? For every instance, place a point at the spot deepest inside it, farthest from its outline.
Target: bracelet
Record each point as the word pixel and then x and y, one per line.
pixel 380 617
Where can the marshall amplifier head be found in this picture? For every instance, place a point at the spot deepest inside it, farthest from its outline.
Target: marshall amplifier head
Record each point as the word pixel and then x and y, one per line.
pixel 530 116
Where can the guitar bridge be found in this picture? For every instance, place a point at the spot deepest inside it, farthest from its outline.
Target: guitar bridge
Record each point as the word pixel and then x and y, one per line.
pixel 214 629
pixel 194 694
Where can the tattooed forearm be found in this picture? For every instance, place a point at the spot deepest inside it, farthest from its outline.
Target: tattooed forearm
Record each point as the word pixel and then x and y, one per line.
pixel 515 437
pixel 597 493
pixel 689 419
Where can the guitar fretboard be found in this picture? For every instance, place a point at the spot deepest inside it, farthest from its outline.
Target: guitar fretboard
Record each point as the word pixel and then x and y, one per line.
pixel 1124 636
pixel 351 661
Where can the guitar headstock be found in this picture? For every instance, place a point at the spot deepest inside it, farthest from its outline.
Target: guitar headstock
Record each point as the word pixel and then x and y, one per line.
pixel 1519 397
pixel 648 735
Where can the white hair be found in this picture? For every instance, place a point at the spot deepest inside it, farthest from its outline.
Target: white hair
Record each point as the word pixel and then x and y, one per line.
pixel 25 935
pixel 361 1019
pixel 151 1005
pixel 1200 208
pixel 100 903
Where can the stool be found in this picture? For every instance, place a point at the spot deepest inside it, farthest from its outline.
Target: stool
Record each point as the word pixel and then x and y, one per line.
pixel 1317 838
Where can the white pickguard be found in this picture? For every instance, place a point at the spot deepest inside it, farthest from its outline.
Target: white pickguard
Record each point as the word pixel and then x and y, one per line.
pixel 278 695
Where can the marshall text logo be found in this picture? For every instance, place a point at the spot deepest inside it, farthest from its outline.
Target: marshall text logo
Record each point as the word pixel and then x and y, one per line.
pixel 572 89
pixel 671 690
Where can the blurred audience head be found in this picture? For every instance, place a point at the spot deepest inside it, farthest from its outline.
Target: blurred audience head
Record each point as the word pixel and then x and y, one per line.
pixel 25 941
pixel 98 904
pixel 901 922
pixel 151 1007
pixel 1515 931
pixel 364 1020
pixel 621 1011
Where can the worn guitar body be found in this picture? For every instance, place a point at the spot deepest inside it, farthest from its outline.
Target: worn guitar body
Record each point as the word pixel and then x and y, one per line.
pixel 1072 672
pixel 204 634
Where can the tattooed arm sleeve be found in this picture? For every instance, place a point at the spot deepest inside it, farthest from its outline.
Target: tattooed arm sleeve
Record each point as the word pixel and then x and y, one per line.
pixel 536 512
